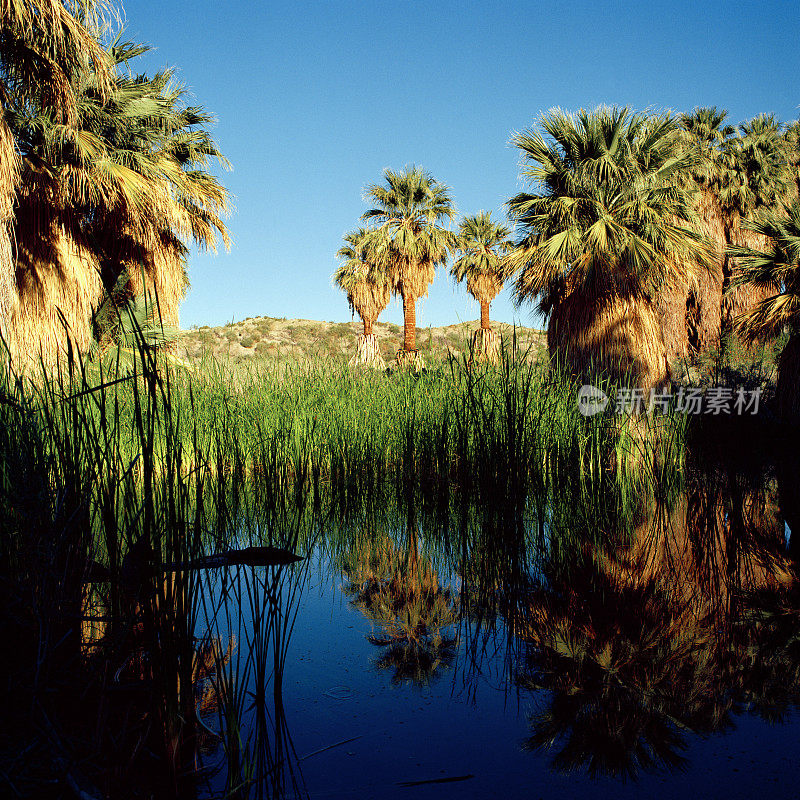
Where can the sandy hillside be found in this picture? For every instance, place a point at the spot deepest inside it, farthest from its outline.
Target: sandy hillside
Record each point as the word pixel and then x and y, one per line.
pixel 301 338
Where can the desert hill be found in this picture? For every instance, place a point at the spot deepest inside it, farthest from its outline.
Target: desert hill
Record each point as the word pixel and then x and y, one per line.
pixel 303 338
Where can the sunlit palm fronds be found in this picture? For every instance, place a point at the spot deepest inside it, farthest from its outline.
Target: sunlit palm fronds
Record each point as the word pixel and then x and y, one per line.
pixel 777 268
pixel 480 247
pixel 128 181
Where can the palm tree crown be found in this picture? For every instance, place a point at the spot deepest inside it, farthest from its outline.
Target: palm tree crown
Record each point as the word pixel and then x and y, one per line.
pixel 777 268
pixel 363 277
pixel 758 174
pixel 609 213
pixel 608 225
pixel 480 249
pixel 706 134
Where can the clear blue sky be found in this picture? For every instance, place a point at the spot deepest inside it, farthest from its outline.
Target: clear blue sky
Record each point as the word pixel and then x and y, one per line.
pixel 314 100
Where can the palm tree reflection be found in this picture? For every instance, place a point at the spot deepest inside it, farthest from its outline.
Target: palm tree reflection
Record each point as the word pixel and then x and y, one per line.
pixel 412 615
pixel 661 631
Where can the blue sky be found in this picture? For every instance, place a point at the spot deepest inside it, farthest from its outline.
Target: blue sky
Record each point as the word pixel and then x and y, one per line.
pixel 315 100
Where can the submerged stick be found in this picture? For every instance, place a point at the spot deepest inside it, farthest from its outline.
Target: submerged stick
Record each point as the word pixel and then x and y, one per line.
pixel 329 747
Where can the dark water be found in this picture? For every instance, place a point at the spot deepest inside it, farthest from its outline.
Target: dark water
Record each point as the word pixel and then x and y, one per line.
pixel 475 724
pixel 653 651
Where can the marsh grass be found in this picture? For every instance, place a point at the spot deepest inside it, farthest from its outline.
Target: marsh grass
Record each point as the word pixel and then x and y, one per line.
pixel 100 485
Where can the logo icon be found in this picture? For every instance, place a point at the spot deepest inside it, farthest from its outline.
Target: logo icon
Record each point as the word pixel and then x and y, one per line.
pixel 591 400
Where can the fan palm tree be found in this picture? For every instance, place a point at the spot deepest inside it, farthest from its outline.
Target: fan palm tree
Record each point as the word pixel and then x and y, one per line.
pixel 607 227
pixel 368 289
pixel 120 194
pixel 41 42
pixel 776 271
pixel 691 311
pixel 409 212
pixel 758 177
pixel 480 247
pixel 735 172
pixel 151 249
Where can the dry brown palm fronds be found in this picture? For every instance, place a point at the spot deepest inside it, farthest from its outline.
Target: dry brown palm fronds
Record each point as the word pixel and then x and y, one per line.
pixel 617 335
pixel 485 346
pixel 690 304
pixel 9 171
pixel 162 273
pixel 58 288
pixel 484 288
pixel 368 352
pixel 409 359
pixel 705 293
pixel 671 306
pixel 46 39
pixel 413 280
pixel 368 300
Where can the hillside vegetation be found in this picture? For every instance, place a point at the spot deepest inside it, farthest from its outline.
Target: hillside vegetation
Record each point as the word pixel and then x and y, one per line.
pixel 303 338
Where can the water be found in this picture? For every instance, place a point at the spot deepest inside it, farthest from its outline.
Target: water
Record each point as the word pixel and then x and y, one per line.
pixel 473 725
pixel 655 637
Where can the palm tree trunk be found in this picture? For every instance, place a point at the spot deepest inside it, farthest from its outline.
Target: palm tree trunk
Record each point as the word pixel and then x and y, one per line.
pixel 367 327
pixel 8 179
pixel 485 323
pixel 410 323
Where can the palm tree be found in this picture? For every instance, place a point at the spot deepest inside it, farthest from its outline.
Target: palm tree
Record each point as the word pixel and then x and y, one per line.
pixel 758 177
pixel 774 270
pixel 174 152
pixel 608 226
pixel 735 172
pixel 109 205
pixel 42 41
pixel 691 311
pixel 480 248
pixel 409 212
pixel 368 290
